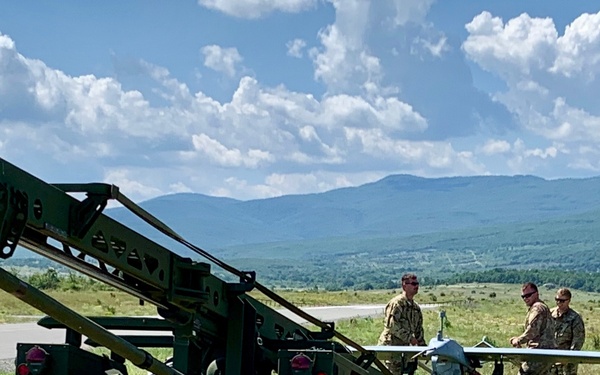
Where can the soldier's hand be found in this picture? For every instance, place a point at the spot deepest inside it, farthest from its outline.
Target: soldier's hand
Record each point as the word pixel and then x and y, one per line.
pixel 514 341
pixel 413 341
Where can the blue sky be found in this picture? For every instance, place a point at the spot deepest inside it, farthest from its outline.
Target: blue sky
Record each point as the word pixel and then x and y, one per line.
pixel 260 98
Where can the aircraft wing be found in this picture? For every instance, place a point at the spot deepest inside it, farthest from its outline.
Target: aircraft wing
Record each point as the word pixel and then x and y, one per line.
pixel 492 354
pixel 386 352
pixel 539 355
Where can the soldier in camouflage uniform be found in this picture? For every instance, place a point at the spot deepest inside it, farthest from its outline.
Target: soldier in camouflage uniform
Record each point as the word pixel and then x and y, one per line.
pixel 403 324
pixel 569 330
pixel 539 330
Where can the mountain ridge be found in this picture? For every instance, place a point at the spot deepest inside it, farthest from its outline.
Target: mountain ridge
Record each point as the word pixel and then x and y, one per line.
pixel 395 205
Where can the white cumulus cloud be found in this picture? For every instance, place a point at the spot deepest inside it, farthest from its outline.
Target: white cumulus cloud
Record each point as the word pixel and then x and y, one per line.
pixel 224 60
pixel 550 78
pixel 514 48
pixel 228 157
pixel 495 146
pixel 295 47
pixel 411 10
pixel 257 8
pixel 578 50
pixel 439 156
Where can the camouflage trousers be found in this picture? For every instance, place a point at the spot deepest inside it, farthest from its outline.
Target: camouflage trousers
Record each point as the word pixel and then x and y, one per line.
pixel 401 367
pixel 535 368
pixel 566 369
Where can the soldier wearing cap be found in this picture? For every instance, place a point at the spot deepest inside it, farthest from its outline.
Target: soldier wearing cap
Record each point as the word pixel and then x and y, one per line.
pixel 569 330
pixel 403 324
pixel 539 330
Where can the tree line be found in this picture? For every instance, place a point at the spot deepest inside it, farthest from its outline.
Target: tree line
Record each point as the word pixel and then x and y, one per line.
pixel 51 279
pixel 586 281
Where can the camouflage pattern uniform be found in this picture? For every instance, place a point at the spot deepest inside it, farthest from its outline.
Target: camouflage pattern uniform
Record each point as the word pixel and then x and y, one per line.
pixel 403 321
pixel 570 335
pixel 539 334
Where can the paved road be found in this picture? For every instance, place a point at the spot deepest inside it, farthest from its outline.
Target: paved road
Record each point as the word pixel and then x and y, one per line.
pixel 334 313
pixel 31 332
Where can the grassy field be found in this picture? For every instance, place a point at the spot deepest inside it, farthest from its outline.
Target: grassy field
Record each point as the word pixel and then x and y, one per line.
pixel 474 315
pixel 97 303
pixel 474 311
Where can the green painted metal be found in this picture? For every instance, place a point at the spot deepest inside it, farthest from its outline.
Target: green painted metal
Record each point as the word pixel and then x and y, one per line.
pixel 56 224
pixel 70 318
pixel 216 326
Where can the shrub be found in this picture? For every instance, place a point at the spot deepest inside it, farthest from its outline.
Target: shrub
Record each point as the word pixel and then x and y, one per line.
pixel 47 280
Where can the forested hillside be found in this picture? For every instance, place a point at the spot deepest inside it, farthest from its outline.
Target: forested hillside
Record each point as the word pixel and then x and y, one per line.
pixel 570 244
pixel 438 228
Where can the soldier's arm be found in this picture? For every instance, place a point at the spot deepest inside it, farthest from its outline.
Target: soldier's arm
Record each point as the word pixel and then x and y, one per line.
pixel 420 336
pixel 578 334
pixel 399 326
pixel 533 328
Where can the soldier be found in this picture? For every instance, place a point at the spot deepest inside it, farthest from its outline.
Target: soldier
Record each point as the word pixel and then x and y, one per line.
pixel 569 330
pixel 403 324
pixel 539 330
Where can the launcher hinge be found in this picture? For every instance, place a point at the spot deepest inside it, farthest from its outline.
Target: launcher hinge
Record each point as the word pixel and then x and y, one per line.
pixel 13 212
